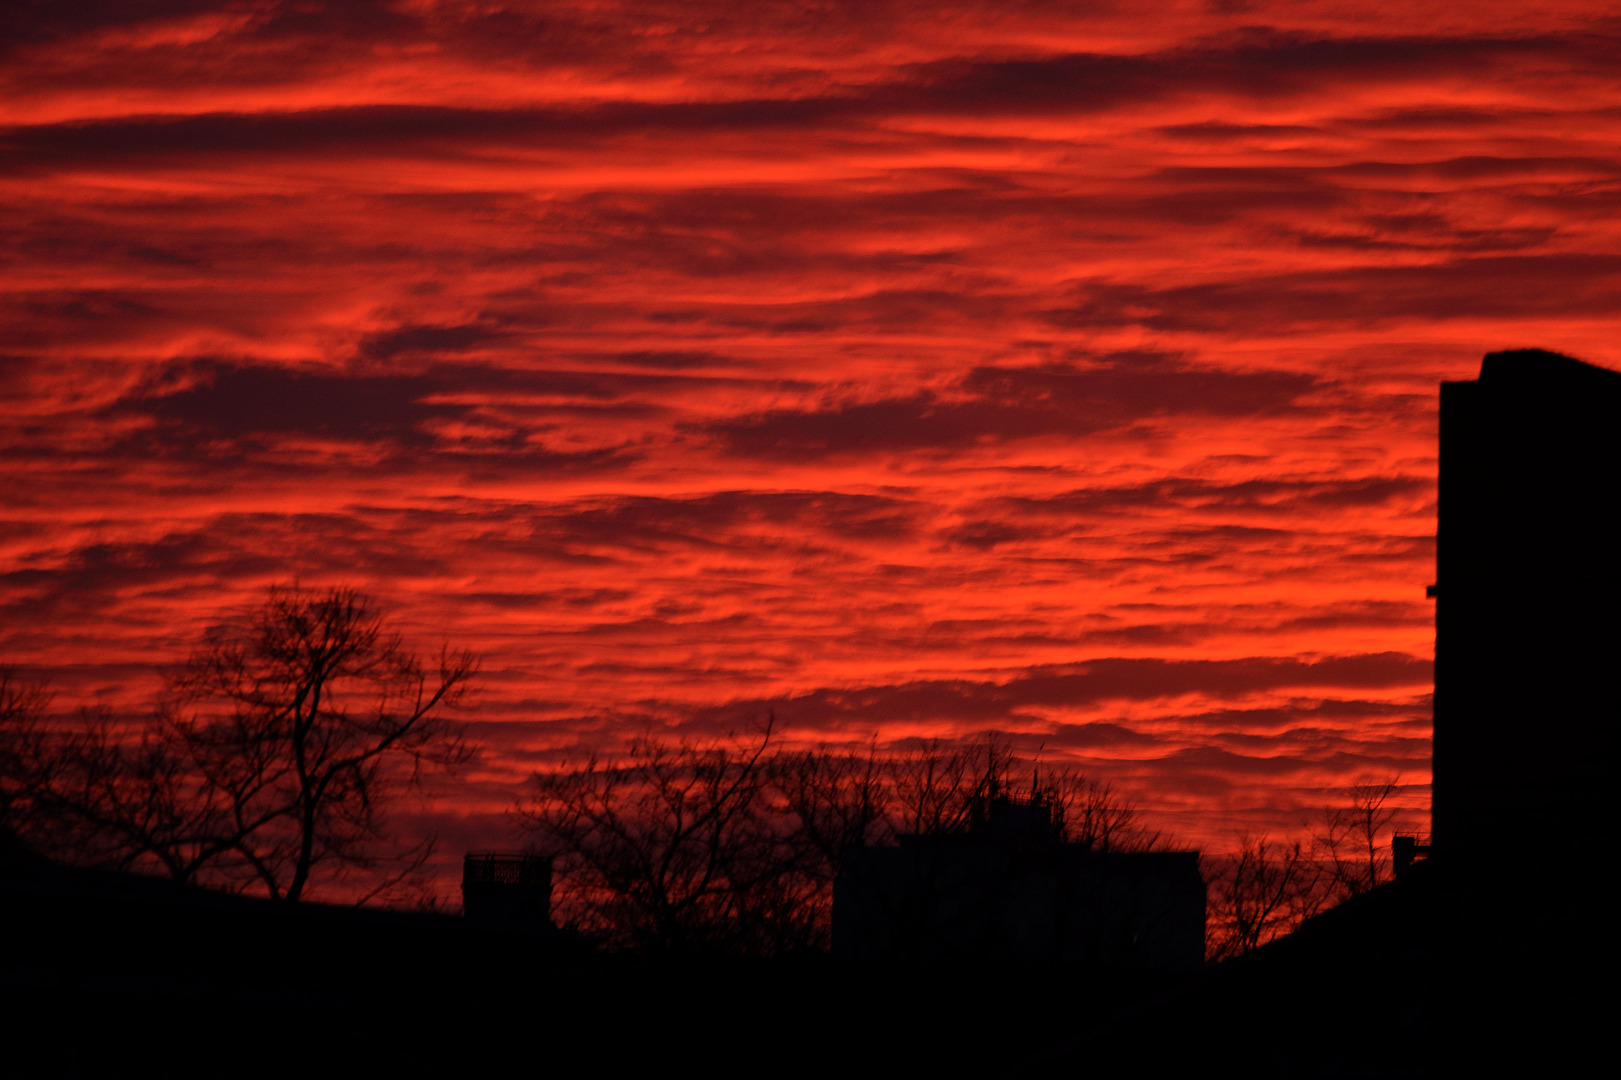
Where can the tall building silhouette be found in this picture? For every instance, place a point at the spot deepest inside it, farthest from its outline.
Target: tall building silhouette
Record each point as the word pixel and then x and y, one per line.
pixel 1493 956
pixel 1528 616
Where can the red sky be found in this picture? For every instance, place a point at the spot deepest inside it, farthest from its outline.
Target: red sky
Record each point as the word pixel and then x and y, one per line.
pixel 908 369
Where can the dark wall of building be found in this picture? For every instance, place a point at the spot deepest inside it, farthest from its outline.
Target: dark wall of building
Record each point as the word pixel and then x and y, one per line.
pixel 978 899
pixel 1528 618
pixel 502 888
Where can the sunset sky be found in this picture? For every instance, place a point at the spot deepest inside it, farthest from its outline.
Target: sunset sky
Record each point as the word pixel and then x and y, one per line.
pixel 908 369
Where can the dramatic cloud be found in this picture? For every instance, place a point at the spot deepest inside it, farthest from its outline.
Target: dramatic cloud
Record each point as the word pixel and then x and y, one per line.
pixel 1080 686
pixel 904 370
pixel 1002 404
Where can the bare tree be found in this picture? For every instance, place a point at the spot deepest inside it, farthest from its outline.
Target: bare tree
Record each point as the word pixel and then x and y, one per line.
pixel 1355 841
pixel 838 801
pixel 300 720
pixel 271 759
pixel 735 846
pixel 22 747
pixel 673 847
pixel 939 789
pixel 1262 892
pixel 1267 889
pixel 1093 814
pixel 933 786
pixel 121 796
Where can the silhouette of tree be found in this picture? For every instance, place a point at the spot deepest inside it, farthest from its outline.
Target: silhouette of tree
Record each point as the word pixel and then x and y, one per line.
pixel 1267 889
pixel 1262 892
pixel 121 796
pixel 837 801
pixel 935 785
pixel 734 847
pixel 22 747
pixel 1093 814
pixel 271 759
pixel 1354 840
pixel 938 789
pixel 673 848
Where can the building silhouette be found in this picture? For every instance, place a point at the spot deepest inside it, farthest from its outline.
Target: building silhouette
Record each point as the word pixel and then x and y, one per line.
pixel 500 887
pixel 1528 597
pixel 1528 631
pixel 1491 957
pixel 1008 888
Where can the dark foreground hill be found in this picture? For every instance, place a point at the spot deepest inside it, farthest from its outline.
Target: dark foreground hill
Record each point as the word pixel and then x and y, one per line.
pixel 1427 976
pixel 118 975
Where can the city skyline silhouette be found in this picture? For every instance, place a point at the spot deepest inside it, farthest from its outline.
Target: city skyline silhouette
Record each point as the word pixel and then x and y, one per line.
pixel 435 436
pixel 1476 956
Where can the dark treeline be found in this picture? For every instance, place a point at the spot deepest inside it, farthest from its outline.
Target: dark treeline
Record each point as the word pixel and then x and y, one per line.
pixel 733 846
pixel 269 764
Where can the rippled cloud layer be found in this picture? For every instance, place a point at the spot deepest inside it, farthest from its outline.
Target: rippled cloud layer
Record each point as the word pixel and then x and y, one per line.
pixel 904 371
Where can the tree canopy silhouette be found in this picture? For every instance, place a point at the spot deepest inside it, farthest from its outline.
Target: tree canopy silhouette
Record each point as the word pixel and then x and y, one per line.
pixel 269 761
pixel 1266 888
pixel 733 846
